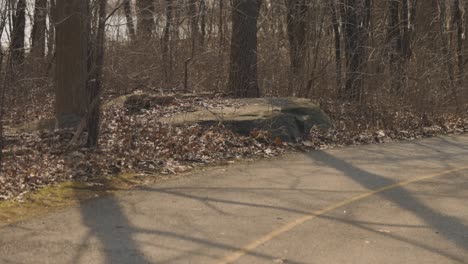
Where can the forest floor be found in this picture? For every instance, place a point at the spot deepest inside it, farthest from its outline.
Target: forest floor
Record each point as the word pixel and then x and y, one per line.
pixel 384 203
pixel 136 142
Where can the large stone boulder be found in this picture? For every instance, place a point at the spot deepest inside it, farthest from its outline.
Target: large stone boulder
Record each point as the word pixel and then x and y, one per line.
pixel 134 103
pixel 286 118
pixel 289 118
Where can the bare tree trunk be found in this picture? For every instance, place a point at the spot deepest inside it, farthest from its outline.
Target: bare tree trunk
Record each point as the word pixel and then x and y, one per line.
pixel 202 11
pixel 167 49
pixel 407 20
pixel 243 68
pixel 424 22
pixel 446 45
pixel 458 17
pixel 39 29
pixel 96 78
pixel 71 71
pixel 2 85
pixel 353 20
pixel 297 27
pixel 2 107
pixel 51 33
pixel 18 34
pixel 445 25
pixel 394 37
pixel 128 16
pixel 337 36
pixel 2 110
pixel 146 22
pixel 194 17
pixel 221 24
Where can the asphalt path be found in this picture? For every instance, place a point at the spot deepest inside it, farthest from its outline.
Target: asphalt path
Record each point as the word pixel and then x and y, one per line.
pixel 391 203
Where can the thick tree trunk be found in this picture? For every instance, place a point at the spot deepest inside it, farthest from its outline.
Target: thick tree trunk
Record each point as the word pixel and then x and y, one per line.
pixel 146 22
pixel 39 29
pixel 71 71
pixel 129 17
pixel 355 20
pixel 96 78
pixel 297 27
pixel 243 67
pixel 18 34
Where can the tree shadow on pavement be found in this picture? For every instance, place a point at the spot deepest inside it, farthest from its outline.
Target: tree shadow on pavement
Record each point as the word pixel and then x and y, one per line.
pixel 108 223
pixel 451 228
pixel 107 220
pixel 365 226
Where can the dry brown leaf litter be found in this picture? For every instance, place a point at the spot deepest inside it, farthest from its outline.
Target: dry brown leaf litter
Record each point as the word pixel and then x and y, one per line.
pixel 138 143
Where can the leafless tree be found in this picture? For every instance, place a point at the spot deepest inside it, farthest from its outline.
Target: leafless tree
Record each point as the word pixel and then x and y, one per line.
pixel 95 78
pixel 243 69
pixel 71 71
pixel 39 29
pixel 146 22
pixel 18 34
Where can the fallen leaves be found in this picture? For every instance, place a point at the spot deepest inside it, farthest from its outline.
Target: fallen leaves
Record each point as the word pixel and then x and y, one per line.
pixel 132 140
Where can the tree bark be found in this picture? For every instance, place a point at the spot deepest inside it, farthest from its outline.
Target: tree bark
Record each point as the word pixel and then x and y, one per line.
pixel 355 20
pixel 39 29
pixel 71 71
pixel 221 24
pixel 407 20
pixel 297 27
pixel 51 32
pixel 458 17
pixel 202 23
pixel 194 17
pixel 243 67
pixel 146 22
pixel 95 79
pixel 166 45
pixel 2 93
pixel 446 40
pixel 425 17
pixel 337 37
pixel 394 37
pixel 128 16
pixel 18 34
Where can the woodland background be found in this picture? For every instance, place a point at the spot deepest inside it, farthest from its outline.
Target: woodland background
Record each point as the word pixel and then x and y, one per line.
pixel 396 66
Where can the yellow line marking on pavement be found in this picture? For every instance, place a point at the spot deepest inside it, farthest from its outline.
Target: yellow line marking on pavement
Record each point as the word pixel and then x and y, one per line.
pixel 291 225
